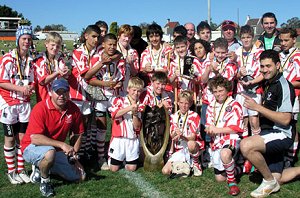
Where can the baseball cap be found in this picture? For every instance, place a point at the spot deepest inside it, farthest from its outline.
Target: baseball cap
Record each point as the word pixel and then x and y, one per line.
pixel 23 29
pixel 227 24
pixel 60 84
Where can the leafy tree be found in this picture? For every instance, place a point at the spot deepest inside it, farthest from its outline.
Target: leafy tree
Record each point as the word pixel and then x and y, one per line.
pixel 113 28
pixel 37 28
pixel 58 27
pixel 6 11
pixel 293 23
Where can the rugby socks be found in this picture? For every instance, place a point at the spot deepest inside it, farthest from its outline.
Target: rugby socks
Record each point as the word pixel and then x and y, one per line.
pixel 93 136
pixel 229 168
pixel 100 142
pixel 9 155
pixel 196 158
pixel 20 160
pixel 255 132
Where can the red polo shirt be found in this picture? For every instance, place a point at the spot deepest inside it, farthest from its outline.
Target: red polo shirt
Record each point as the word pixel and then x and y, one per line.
pixel 46 120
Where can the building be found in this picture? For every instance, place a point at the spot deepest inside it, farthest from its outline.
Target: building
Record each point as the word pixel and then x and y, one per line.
pixel 66 36
pixel 256 25
pixel 8 28
pixel 169 27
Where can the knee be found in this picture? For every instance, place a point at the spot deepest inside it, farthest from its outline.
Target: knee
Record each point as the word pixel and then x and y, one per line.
pixel 50 156
pixel 245 146
pixel 226 155
pixel 193 147
pixel 114 168
pixel 131 168
pixel 166 171
pixel 220 178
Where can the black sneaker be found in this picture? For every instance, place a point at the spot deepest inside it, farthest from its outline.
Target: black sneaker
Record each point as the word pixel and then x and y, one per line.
pixel 35 176
pixel 46 189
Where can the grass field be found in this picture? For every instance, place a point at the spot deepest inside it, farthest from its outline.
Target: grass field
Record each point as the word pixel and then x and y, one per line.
pixel 137 184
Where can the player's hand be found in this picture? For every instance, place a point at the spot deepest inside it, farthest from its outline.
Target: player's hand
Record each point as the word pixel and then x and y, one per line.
pixel 118 85
pixel 148 68
pixel 243 71
pixel 232 56
pixel 249 103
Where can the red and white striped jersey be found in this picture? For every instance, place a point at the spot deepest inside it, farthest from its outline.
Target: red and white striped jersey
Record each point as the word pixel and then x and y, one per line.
pixel 136 65
pixel 290 65
pixel 229 114
pixel 115 71
pixel 43 68
pixel 148 98
pixel 188 124
pixel 251 61
pixel 228 70
pixel 9 73
pixel 185 83
pixel 158 61
pixel 81 63
pixel 122 126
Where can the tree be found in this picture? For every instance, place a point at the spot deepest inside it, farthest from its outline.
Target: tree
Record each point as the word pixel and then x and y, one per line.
pixel 37 28
pixel 144 27
pixel 58 27
pixel 292 23
pixel 6 11
pixel 113 28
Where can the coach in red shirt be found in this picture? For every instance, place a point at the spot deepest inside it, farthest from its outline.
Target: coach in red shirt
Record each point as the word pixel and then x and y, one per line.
pixel 51 121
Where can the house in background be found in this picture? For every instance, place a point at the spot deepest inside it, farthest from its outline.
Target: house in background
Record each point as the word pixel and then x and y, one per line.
pixel 256 25
pixel 8 28
pixel 168 30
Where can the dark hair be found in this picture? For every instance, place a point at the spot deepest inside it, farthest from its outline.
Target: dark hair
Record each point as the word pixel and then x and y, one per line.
pixel 293 32
pixel 205 44
pixel 180 30
pixel 154 28
pixel 159 76
pixel 219 81
pixel 203 25
pixel 180 39
pixel 271 54
pixel 269 15
pixel 89 29
pixel 109 36
pixel 102 24
pixel 137 32
pixel 247 29
pixel 221 43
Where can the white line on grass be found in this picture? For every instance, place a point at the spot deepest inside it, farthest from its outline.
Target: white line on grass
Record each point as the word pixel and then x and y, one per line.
pixel 145 187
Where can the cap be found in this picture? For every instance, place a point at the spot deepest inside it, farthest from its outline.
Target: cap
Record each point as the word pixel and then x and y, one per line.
pixel 23 29
pixel 227 24
pixel 60 83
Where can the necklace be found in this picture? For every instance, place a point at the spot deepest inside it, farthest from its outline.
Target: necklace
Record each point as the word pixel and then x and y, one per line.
pixel 181 122
pixel 219 114
pixel 288 58
pixel 156 57
pixel 247 56
pixel 51 66
pixel 21 67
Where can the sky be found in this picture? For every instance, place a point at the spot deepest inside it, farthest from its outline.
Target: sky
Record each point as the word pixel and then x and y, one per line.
pixel 75 16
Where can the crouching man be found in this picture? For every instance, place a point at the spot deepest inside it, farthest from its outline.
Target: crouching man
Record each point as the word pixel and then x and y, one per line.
pixel 51 121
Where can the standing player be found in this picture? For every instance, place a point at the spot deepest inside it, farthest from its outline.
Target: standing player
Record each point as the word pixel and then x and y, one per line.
pixel 16 86
pixel 290 67
pixel 156 57
pixel 49 66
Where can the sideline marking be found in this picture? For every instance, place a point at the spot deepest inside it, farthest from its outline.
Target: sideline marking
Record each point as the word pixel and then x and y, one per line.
pixel 145 187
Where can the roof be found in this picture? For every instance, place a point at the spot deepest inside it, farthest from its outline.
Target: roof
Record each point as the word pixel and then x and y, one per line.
pixel 253 22
pixel 172 24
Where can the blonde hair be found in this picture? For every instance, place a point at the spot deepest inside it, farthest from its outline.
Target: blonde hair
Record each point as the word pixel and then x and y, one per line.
pixel 126 29
pixel 54 37
pixel 188 95
pixel 135 82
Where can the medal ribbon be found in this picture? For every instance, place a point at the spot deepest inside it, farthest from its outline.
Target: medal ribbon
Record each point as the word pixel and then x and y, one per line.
pixel 216 122
pixel 288 58
pixel 19 65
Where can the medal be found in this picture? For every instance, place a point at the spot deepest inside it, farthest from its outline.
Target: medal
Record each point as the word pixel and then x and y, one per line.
pixel 20 83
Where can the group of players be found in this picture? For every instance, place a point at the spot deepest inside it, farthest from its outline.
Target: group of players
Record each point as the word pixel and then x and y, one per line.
pixel 249 95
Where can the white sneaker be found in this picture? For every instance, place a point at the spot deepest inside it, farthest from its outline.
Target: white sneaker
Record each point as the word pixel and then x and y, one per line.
pixel 266 188
pixel 197 170
pixel 24 176
pixel 14 178
pixel 103 164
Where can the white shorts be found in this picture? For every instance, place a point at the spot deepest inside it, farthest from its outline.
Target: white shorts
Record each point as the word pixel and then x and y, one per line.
pixel 16 113
pixel 104 105
pixel 248 112
pixel 124 149
pixel 216 155
pixel 183 155
pixel 84 106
